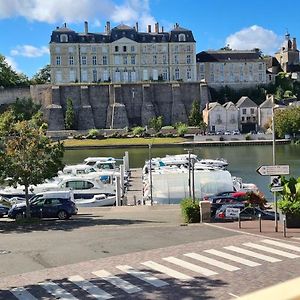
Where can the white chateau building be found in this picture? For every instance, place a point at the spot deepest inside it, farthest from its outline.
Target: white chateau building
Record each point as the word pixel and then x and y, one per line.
pixel 122 54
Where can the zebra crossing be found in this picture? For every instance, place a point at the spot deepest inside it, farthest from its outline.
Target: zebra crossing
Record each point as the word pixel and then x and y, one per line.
pixel 161 274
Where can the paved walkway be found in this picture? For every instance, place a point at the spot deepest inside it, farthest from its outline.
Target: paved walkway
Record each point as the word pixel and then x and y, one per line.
pixel 267 229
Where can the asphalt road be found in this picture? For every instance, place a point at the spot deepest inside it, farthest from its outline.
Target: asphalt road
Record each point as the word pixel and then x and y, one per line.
pixel 95 233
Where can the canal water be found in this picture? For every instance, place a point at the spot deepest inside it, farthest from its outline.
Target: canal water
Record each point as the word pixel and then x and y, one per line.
pixel 243 160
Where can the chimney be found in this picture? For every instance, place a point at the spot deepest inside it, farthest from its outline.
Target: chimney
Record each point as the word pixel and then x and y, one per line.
pixel 65 25
pixel 137 26
pixel 162 28
pixel 149 28
pixel 86 27
pixel 156 27
pixel 107 27
pixel 294 44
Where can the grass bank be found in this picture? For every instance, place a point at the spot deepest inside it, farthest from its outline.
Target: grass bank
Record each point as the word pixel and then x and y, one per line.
pixel 71 143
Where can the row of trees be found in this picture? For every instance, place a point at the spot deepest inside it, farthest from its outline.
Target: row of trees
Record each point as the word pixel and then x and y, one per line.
pixel 10 78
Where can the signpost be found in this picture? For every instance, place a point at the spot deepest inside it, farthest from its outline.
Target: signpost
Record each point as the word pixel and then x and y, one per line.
pixel 232 212
pixel 273 170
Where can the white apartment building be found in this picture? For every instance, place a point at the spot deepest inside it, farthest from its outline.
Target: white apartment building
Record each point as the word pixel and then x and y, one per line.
pixel 122 54
pixel 236 69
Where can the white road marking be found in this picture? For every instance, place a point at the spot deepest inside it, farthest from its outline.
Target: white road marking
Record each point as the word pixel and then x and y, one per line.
pixel 189 266
pixel 212 262
pixel 22 294
pixel 145 276
pixel 240 260
pixel 57 291
pixel 253 254
pixel 271 250
pixel 118 282
pixel 163 269
pixel 89 287
pixel 282 245
pixel 233 295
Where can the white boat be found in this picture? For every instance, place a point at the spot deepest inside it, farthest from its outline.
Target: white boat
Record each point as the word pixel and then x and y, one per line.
pixel 214 163
pixel 84 188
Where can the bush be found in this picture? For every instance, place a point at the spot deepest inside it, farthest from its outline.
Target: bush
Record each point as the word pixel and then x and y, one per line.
pixel 182 129
pixel 221 139
pixel 94 134
pixel 190 211
pixel 248 136
pixel 138 131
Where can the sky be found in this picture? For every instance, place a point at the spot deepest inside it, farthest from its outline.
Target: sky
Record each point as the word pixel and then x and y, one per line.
pixel 26 25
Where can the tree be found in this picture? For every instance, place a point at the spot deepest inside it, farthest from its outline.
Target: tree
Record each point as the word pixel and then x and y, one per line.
pixel 156 123
pixel 10 78
pixel 42 76
pixel 28 156
pixel 287 121
pixel 24 109
pixel 195 117
pixel 70 115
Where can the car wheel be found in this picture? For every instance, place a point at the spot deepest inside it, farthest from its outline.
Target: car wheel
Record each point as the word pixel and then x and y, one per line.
pixel 19 216
pixel 1 216
pixel 62 215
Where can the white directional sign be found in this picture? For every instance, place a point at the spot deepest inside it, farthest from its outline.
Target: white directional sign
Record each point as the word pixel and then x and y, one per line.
pixel 274 170
pixel 277 189
pixel 232 212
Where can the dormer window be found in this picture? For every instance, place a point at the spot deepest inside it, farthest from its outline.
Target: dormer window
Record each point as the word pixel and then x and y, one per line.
pixel 63 38
pixel 181 37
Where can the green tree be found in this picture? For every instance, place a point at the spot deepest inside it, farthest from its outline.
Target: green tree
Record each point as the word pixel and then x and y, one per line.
pixel 70 115
pixel 24 109
pixel 279 93
pixel 9 77
pixel 28 156
pixel 42 76
pixel 287 121
pixel 195 117
pixel 156 123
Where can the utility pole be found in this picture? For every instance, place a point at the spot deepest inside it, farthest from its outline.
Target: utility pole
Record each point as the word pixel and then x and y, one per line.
pixel 150 174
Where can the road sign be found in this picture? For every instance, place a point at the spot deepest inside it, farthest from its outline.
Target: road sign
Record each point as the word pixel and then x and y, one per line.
pixel 273 170
pixel 277 189
pixel 275 181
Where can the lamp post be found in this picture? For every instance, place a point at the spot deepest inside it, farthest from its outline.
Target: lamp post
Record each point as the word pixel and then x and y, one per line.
pixel 191 176
pixel 274 160
pixel 150 174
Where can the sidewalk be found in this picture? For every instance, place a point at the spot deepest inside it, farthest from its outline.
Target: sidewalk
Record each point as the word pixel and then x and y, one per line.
pixel 267 229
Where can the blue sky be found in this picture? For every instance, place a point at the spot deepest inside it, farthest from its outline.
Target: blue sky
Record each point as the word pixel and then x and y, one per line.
pixel 26 25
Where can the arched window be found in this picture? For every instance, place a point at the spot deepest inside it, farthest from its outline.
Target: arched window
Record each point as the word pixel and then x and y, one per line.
pixel 181 37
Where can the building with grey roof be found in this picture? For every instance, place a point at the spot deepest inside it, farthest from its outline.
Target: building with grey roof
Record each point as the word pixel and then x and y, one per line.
pixel 236 69
pixel 122 54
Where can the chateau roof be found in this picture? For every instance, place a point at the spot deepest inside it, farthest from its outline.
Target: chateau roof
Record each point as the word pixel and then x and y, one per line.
pixel 228 55
pixel 122 31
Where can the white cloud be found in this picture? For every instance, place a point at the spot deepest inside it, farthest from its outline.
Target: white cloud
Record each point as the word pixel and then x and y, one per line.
pixel 29 51
pixel 254 37
pixel 54 11
pixel 11 62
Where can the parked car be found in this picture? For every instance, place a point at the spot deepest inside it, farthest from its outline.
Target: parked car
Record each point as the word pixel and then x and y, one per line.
pixel 4 206
pixel 217 202
pixel 47 205
pixel 240 195
pixel 246 213
pixel 236 132
pixel 227 132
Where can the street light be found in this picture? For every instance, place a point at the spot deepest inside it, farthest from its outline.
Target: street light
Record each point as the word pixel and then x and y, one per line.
pixel 191 178
pixel 274 160
pixel 150 174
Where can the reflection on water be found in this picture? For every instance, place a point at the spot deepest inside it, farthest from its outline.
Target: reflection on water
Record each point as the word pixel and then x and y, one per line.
pixel 243 160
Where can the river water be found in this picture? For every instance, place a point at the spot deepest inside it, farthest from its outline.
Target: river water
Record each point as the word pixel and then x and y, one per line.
pixel 243 160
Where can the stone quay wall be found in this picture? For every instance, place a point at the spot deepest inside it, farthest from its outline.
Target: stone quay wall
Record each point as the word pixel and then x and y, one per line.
pixel 119 105
pixel 9 95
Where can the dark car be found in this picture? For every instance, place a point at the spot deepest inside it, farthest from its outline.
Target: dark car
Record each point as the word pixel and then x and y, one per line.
pixel 246 213
pixel 4 206
pixel 239 195
pixel 50 207
pixel 217 202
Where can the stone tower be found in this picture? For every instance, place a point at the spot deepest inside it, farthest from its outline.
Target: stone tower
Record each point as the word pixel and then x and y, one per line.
pixel 288 55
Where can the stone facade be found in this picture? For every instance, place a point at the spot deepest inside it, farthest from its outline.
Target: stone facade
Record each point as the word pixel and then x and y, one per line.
pixel 122 54
pixel 118 106
pixel 236 69
pixel 221 118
